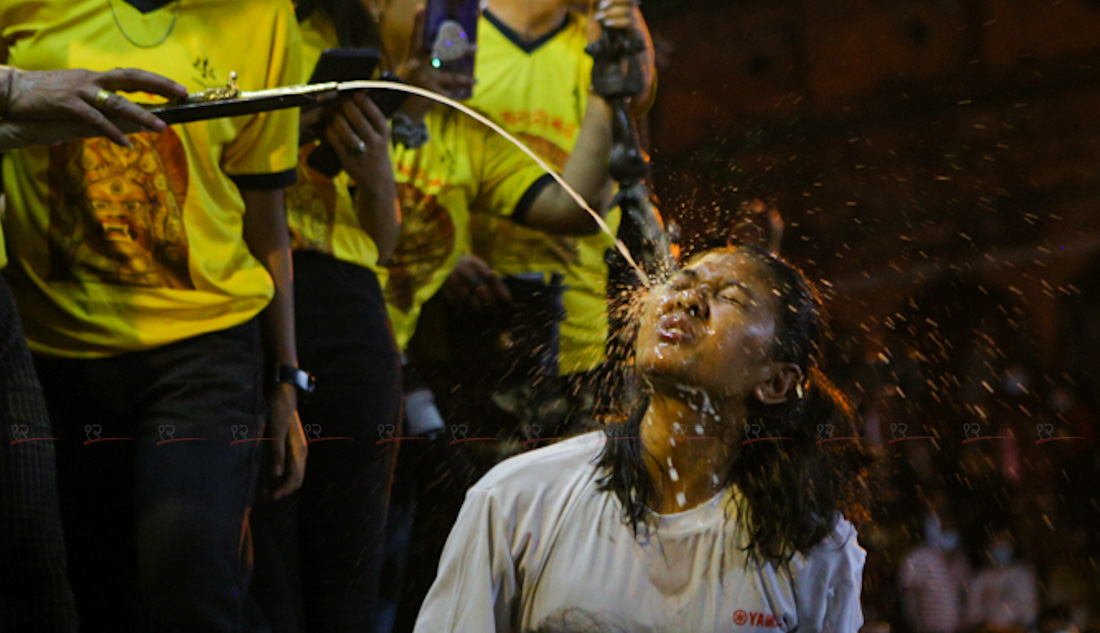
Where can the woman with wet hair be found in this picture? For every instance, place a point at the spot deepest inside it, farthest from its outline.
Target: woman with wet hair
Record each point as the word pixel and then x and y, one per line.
pixel 718 506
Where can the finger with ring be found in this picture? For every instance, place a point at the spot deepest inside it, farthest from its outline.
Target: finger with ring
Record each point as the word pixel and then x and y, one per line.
pixel 101 98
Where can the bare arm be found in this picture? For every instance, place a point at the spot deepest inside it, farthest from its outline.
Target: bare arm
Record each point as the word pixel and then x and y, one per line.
pixel 554 210
pixel 266 234
pixel 361 136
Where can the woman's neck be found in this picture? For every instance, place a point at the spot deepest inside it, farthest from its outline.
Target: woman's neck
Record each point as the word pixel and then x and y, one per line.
pixel 531 19
pixel 692 439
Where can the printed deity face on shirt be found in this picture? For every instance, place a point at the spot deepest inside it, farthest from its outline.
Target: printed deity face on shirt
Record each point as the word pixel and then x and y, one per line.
pixel 710 327
pixel 116 214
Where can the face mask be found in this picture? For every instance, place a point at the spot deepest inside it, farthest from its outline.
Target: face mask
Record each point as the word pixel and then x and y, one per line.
pixel 1001 554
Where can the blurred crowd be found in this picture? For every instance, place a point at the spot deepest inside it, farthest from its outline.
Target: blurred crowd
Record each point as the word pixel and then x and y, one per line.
pixel 988 513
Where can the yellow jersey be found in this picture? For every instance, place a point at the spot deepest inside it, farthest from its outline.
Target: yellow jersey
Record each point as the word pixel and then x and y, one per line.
pixel 465 169
pixel 115 250
pixel 538 91
pixel 321 212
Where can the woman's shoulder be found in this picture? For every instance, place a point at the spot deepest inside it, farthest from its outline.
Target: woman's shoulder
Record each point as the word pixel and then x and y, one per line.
pixel 562 468
pixel 838 554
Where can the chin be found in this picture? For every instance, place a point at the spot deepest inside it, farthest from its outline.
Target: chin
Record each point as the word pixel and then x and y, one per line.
pixel 665 364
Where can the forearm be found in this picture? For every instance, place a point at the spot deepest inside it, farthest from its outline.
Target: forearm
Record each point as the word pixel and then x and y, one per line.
pixel 555 211
pixel 380 216
pixel 266 234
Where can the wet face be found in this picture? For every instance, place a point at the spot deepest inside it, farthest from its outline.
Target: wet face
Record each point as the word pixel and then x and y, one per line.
pixel 711 327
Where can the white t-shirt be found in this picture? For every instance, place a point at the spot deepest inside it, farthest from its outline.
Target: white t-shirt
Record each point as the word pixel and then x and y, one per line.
pixel 537 548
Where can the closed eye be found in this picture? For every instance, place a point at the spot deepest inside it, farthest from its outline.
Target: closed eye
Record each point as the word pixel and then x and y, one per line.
pixel 731 295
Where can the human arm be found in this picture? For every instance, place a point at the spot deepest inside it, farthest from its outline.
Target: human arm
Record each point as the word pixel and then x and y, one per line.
pixel 476 586
pixel 554 210
pixel 474 283
pixel 45 107
pixel 267 238
pixel 360 135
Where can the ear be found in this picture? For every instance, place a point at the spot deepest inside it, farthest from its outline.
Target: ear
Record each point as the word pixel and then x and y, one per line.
pixel 784 383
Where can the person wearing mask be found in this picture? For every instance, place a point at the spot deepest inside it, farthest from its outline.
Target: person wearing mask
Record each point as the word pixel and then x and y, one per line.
pixel 1003 595
pixel 533 79
pixel 153 282
pixel 42 108
pixel 933 577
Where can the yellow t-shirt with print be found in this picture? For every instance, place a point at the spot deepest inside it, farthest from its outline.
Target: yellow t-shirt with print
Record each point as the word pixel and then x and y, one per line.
pixel 465 169
pixel 320 210
pixel 115 250
pixel 538 92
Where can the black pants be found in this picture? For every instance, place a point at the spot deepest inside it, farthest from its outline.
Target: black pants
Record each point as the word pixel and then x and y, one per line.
pixel 156 521
pixel 34 591
pixel 318 553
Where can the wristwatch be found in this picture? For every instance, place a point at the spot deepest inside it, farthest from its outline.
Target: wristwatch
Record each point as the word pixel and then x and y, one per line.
pixel 411 134
pixel 300 378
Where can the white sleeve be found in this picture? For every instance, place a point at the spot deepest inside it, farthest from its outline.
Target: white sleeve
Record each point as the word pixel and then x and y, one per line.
pixel 475 587
pixel 830 585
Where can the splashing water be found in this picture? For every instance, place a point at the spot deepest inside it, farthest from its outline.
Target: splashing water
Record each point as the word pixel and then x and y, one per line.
pixel 579 199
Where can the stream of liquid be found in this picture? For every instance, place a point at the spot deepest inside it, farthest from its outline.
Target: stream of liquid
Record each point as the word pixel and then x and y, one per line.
pixel 428 94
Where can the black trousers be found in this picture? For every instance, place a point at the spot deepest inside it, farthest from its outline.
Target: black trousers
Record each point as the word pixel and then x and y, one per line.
pixel 157 466
pixel 318 552
pixel 34 591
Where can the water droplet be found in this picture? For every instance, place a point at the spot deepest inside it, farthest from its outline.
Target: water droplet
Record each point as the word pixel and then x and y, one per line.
pixel 673 474
pixel 698 429
pixel 681 499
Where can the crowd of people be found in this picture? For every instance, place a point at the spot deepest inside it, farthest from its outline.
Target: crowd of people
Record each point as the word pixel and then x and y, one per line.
pixel 239 392
pixel 986 519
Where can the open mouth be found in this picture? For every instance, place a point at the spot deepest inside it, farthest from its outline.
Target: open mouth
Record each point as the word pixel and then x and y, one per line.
pixel 677 327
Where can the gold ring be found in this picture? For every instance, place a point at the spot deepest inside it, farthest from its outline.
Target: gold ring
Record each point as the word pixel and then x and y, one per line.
pixel 101 98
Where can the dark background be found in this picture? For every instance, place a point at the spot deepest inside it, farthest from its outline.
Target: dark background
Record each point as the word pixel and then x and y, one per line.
pixel 936 163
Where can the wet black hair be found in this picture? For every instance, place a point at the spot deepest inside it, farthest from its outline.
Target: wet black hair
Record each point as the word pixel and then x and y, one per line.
pixel 793 492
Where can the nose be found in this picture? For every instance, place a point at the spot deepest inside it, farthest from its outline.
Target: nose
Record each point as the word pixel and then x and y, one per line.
pixel 691 300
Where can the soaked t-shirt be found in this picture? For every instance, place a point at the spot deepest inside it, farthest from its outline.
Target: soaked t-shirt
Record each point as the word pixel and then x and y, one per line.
pixel 538 548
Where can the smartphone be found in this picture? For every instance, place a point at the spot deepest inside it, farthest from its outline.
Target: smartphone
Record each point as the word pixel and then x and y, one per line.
pixel 350 64
pixel 346 64
pixel 450 32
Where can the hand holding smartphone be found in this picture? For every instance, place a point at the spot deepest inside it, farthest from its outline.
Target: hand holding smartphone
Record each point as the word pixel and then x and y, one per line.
pixel 450 35
pixel 350 64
